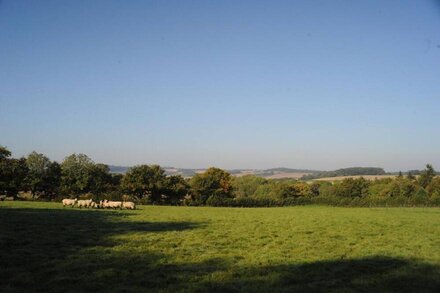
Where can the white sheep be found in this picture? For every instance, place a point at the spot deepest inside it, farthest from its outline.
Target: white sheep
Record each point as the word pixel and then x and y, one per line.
pixel 69 202
pixel 84 203
pixel 114 204
pixel 94 205
pixel 129 205
pixel 103 204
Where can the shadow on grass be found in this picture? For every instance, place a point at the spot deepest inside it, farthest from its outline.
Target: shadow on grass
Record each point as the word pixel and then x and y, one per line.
pixel 54 249
pixel 372 274
pixel 74 251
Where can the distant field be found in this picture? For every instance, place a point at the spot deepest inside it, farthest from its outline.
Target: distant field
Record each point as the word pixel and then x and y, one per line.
pixel 44 247
pixel 286 175
pixel 272 175
pixel 368 177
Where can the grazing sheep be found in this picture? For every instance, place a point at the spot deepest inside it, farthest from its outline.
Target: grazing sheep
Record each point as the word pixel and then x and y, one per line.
pixel 104 204
pixel 129 205
pixel 94 205
pixel 69 202
pixel 84 203
pixel 114 204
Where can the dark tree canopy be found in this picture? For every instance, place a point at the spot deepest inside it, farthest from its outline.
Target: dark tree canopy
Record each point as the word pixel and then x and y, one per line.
pixel 43 176
pixel 4 152
pixel 426 176
pixel 213 182
pixel 12 173
pixel 81 175
pixel 145 181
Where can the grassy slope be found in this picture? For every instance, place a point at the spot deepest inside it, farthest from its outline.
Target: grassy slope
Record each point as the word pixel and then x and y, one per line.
pixel 43 246
pixel 367 177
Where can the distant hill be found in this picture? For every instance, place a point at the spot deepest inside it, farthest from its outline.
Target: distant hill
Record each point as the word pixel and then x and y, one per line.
pixel 354 171
pixel 168 170
pixel 413 172
pixel 278 172
pixel 118 169
pixel 274 173
pixel 281 172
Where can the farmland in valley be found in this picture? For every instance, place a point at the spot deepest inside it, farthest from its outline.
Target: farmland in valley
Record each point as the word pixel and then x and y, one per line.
pixel 368 177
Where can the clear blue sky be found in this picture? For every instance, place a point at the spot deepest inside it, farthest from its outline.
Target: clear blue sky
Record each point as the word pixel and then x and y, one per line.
pixel 235 84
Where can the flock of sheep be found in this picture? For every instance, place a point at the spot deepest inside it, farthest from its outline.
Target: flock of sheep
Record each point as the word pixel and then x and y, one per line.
pixel 103 204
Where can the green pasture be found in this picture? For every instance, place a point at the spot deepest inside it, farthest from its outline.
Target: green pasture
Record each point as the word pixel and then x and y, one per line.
pixel 45 247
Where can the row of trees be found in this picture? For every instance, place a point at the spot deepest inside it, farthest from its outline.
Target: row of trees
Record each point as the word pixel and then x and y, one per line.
pixel 44 178
pixel 354 171
pixel 402 190
pixel 79 176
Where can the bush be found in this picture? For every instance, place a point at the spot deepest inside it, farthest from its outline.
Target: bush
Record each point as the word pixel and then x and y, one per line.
pixel 398 201
pixel 420 198
pixel 216 201
pixel 86 196
pixel 434 200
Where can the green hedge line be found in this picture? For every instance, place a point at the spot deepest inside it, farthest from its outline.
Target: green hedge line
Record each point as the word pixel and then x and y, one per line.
pixel 369 201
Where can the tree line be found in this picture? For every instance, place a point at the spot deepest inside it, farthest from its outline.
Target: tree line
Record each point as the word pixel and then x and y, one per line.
pixel 77 176
pixel 354 171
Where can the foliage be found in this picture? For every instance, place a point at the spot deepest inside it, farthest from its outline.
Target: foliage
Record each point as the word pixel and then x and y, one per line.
pixel 43 176
pixel 79 176
pixel 100 179
pixel 12 175
pixel 4 153
pixel 434 186
pixel 247 185
pixel 176 189
pixel 76 174
pixel 426 176
pixel 351 188
pixel 145 181
pixel 213 182
pixel 346 172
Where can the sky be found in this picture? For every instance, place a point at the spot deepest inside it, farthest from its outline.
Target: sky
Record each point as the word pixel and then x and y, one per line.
pixel 234 84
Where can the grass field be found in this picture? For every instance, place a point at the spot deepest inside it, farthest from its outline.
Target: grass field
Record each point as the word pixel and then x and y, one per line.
pixel 44 247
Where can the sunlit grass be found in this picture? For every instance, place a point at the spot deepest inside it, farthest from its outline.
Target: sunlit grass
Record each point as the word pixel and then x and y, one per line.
pixel 44 246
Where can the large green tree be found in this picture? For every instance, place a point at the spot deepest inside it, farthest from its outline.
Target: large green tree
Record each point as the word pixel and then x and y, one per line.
pixel 145 181
pixel 246 186
pixel 12 173
pixel 43 176
pixel 100 179
pixel 426 176
pixel 81 175
pixel 213 182
pixel 352 187
pixel 76 174
pixel 176 189
pixel 434 186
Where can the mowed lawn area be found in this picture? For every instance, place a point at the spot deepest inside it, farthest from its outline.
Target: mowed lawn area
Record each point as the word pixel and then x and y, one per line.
pixel 45 247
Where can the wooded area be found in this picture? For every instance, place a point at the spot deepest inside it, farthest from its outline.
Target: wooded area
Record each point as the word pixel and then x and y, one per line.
pixel 77 176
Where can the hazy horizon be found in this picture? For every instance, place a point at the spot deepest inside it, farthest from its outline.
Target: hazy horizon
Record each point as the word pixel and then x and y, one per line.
pixel 250 85
pixel 201 167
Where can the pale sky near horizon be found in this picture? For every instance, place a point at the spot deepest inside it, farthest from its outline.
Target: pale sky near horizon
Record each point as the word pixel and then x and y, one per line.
pixel 233 84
